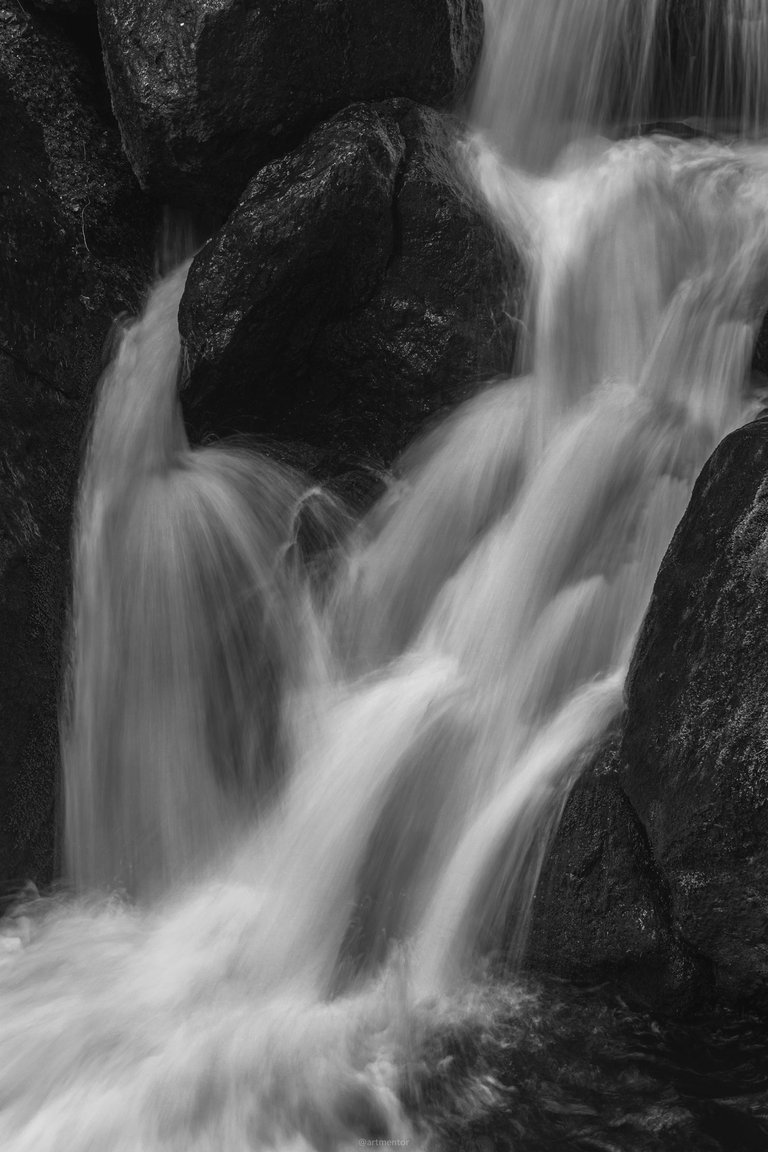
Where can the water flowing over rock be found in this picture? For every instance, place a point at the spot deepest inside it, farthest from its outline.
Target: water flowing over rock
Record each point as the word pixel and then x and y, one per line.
pixel 694 747
pixel 308 798
pixel 552 73
pixel 717 62
pixel 76 251
pixel 205 91
pixel 357 287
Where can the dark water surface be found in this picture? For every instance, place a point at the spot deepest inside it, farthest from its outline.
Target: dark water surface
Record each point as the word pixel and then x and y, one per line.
pixel 577 1069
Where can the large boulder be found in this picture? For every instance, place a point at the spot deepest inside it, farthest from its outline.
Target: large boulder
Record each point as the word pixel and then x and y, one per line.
pixel 694 757
pixel 76 250
pixel 601 910
pixel 358 287
pixel 206 91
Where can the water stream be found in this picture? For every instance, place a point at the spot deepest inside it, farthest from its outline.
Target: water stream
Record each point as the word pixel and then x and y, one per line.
pixel 296 819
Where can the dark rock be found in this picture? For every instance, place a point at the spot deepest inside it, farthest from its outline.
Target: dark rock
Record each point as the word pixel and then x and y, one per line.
pixel 206 91
pixel 76 245
pixel 709 64
pixel 695 746
pixel 601 910
pixel 357 288
pixel 64 7
pixel 760 355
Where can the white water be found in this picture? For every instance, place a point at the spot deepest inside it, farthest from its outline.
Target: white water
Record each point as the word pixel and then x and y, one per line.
pixel 555 70
pixel 318 813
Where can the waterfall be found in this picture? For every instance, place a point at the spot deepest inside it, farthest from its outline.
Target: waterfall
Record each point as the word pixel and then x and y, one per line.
pixel 297 819
pixel 185 629
pixel 555 71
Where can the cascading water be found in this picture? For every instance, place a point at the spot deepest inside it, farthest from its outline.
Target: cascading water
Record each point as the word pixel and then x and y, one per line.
pixel 294 821
pixel 553 69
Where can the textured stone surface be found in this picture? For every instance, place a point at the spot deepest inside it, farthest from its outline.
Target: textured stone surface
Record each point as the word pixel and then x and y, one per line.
pixel 695 748
pixel 207 89
pixel 64 7
pixel 76 244
pixel 355 290
pixel 602 906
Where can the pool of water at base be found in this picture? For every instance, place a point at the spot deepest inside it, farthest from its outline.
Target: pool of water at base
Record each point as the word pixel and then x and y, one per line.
pixel 550 1065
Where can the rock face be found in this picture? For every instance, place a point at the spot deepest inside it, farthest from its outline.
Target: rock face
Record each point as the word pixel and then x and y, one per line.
pixel 710 62
pixel 76 245
pixel 694 758
pixel 205 90
pixel 355 289
pixel 64 7
pixel 602 905
pixel 658 874
pixel 760 355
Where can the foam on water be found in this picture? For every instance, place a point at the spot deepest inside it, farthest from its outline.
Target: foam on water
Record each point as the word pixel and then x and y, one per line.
pixel 296 822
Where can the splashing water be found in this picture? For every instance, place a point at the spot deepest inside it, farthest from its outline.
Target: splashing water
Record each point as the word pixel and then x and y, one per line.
pixel 294 822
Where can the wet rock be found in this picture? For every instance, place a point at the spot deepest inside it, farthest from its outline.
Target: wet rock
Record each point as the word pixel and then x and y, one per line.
pixel 206 91
pixel 760 357
pixel 76 245
pixel 357 288
pixel 602 909
pixel 64 7
pixel 709 64
pixel 694 759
